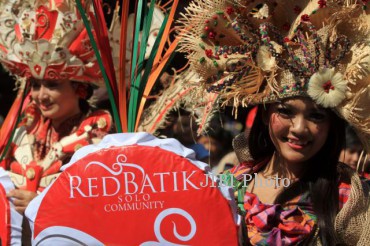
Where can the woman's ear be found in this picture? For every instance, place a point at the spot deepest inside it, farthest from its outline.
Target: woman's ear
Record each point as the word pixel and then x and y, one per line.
pixel 81 90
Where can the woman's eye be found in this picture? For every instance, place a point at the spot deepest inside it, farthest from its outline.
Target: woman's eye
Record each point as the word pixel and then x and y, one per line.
pixel 35 86
pixel 284 112
pixel 52 85
pixel 318 116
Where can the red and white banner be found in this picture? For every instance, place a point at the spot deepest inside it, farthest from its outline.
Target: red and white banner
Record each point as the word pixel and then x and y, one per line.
pixel 10 220
pixel 135 189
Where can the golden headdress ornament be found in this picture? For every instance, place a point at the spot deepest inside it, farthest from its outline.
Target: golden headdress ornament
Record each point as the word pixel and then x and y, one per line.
pixel 47 40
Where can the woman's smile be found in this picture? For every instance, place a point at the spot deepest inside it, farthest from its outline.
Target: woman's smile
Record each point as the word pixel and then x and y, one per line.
pixel 296 143
pixel 45 106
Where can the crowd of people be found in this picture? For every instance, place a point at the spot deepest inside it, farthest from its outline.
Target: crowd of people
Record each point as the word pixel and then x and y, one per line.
pixel 302 127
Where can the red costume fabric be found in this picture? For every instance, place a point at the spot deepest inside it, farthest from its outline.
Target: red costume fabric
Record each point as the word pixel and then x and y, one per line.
pixel 39 150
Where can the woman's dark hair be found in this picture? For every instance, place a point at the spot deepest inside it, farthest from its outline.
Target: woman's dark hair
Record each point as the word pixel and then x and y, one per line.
pixel 84 105
pixel 82 102
pixel 321 177
pixel 259 141
pixel 351 138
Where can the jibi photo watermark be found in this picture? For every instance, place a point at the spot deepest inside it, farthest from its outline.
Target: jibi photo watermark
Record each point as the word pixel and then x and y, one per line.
pixel 227 180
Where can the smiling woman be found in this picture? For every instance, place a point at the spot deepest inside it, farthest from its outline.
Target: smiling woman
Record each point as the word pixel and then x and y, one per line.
pixel 306 64
pixel 56 123
pixel 301 141
pixel 50 97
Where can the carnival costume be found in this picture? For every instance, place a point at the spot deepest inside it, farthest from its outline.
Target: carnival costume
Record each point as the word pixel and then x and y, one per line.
pixel 47 40
pixel 258 52
pixel 38 151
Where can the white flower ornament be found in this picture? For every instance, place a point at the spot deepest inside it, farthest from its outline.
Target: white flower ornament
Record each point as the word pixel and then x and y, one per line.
pixel 327 88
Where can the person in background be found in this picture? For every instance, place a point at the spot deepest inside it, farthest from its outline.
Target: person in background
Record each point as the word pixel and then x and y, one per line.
pixel 183 128
pixel 217 140
pixel 352 149
pixel 354 155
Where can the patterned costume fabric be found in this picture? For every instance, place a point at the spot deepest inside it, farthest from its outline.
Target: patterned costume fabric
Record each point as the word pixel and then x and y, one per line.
pixel 281 225
pixel 276 224
pixel 38 150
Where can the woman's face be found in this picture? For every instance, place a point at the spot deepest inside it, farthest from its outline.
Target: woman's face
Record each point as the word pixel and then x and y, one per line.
pixel 298 128
pixel 351 155
pixel 211 144
pixel 57 100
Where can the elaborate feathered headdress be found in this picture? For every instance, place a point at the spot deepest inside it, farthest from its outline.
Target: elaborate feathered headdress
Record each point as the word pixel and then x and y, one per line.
pixel 65 39
pixel 252 52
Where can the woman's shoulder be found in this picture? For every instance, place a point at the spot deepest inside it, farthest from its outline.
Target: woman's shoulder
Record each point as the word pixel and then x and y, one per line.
pixel 99 119
pixel 351 221
pixel 351 185
pixel 99 113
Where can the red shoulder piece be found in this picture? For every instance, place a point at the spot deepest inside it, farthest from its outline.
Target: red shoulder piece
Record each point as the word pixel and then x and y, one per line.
pixel 100 120
pixel 95 126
